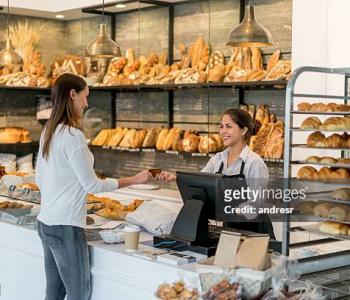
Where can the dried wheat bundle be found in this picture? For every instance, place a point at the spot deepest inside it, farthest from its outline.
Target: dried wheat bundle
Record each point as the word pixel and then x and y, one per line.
pixel 24 38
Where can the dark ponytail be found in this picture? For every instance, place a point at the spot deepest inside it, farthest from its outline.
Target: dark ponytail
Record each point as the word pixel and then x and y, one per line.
pixel 243 119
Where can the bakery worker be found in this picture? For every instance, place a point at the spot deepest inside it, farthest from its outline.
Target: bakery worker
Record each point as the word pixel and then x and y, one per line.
pixel 65 174
pixel 237 161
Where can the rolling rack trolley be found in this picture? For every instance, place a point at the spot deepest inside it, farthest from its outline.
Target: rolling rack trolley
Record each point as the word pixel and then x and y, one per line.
pixel 331 271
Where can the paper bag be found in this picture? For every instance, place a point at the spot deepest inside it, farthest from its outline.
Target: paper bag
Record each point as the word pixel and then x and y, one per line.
pixel 227 249
pixel 252 253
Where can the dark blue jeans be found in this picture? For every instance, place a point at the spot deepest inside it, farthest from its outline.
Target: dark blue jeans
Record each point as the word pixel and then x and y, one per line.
pixel 67 266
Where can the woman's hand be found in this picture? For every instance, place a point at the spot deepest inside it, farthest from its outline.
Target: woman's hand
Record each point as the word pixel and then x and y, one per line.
pixel 166 176
pixel 142 177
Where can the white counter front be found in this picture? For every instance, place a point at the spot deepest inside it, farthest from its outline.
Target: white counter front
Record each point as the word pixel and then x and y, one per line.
pixel 116 274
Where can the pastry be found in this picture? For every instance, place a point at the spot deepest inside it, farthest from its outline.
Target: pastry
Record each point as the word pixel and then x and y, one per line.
pixel 257 75
pixel 216 59
pixel 334 228
pixel 327 160
pixel 280 71
pixel 31 186
pixel 322 210
pixel 12 135
pixel 304 106
pixel 316 139
pixel 336 123
pixel 339 213
pixel 320 107
pixel 89 220
pixel 305 208
pixel 311 123
pixel 313 159
pixel 137 141
pixel 307 173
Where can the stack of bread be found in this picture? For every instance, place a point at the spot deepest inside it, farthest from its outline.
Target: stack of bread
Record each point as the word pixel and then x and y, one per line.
pixel 327 160
pixel 196 65
pixel 319 140
pixel 162 139
pixel 269 140
pixel 13 135
pixel 324 173
pixel 333 123
pixel 323 107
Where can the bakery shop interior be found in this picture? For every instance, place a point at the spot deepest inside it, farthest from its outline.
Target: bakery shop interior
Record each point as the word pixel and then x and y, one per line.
pixel 173 149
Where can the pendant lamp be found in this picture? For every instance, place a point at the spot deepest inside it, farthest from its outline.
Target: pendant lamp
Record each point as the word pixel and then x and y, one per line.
pixel 103 46
pixel 250 33
pixel 8 56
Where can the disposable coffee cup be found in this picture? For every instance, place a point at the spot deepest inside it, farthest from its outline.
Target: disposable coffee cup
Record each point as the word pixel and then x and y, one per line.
pixel 131 235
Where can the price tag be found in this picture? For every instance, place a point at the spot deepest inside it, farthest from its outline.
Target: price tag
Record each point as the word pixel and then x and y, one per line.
pixel 148 150
pixel 25 193
pixel 12 188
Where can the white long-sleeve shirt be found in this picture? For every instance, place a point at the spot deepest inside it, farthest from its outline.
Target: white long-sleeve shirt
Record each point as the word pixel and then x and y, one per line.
pixel 66 177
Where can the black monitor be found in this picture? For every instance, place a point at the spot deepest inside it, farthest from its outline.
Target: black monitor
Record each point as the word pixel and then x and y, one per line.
pixel 199 193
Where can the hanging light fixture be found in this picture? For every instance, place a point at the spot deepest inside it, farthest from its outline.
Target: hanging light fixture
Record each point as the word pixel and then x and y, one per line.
pixel 250 33
pixel 103 46
pixel 8 56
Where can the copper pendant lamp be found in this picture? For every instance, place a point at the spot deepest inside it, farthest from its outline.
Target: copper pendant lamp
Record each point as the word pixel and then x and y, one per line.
pixel 250 33
pixel 103 46
pixel 8 56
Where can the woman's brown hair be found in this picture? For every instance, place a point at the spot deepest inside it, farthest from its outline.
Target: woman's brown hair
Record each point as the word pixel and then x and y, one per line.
pixel 62 107
pixel 243 119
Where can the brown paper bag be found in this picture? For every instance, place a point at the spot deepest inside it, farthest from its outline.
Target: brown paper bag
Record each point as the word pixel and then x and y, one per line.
pixel 227 249
pixel 252 253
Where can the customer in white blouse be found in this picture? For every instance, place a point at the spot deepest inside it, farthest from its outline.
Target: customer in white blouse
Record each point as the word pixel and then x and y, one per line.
pixel 65 175
pixel 237 160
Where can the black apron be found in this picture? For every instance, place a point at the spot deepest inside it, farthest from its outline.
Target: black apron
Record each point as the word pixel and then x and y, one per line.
pixel 262 224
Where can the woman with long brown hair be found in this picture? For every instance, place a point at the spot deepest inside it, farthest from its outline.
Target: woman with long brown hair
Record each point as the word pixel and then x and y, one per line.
pixel 237 161
pixel 65 175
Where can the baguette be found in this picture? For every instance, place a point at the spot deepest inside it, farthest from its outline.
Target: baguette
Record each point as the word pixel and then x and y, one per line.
pixel 161 137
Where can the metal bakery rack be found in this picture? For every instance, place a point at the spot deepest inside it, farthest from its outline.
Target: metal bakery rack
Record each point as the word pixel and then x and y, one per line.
pixel 329 270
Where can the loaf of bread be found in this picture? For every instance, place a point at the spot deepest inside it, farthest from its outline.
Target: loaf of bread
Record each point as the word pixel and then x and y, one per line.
pixel 344 161
pixel 334 228
pixel 190 143
pixel 102 137
pixel 273 60
pixel 128 138
pixel 151 138
pixel 322 210
pixel 324 173
pixel 307 172
pixel 137 141
pixel 161 138
pixel 168 141
pixel 219 141
pixel 339 213
pixel 342 194
pixel 316 139
pixel 275 142
pixel 257 61
pixel 207 144
pixel 12 135
pixel 117 136
pixel 31 186
pixel 311 123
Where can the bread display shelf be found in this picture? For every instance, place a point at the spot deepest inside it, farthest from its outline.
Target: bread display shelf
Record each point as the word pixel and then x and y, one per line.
pixel 321 130
pixel 314 219
pixel 334 182
pixel 315 230
pixel 335 113
pixel 170 152
pixel 319 148
pixel 303 162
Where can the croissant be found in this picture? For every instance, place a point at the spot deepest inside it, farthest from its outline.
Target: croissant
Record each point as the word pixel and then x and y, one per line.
pixel 324 173
pixel 311 123
pixel 316 139
pixel 336 123
pixel 307 173
pixel 304 106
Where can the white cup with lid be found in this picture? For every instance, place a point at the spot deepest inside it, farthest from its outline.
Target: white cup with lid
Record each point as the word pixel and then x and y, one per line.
pixel 132 236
